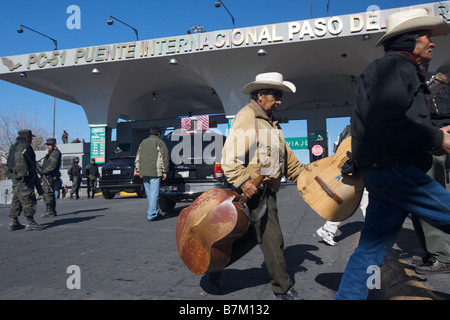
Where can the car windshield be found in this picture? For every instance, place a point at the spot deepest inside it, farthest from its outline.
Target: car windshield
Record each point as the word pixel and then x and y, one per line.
pixel 122 160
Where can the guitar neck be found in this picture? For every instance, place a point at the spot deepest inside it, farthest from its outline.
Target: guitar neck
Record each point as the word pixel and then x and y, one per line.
pixel 257 182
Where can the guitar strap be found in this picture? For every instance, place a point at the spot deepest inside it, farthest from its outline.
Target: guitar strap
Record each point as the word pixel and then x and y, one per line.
pixel 261 208
pixel 261 199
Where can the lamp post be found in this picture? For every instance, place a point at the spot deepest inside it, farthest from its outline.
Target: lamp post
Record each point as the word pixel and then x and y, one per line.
pixel 198 29
pixel 54 115
pixel 20 30
pixel 220 2
pixel 24 75
pixel 110 22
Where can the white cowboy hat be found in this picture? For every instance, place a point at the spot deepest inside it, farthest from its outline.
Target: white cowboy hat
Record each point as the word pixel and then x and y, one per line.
pixel 269 80
pixel 413 20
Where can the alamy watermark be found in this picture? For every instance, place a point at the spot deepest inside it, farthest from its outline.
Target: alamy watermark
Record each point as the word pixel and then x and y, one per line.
pixel 74 280
pixel 262 146
pixel 74 20
pixel 374 280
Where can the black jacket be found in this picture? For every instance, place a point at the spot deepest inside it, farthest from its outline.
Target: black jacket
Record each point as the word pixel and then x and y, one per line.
pixel 391 123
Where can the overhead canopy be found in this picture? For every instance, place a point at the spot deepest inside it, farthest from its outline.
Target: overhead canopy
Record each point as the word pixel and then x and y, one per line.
pixel 323 57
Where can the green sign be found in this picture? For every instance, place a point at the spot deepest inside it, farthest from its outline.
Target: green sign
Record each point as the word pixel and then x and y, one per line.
pixel 317 136
pixel 297 143
pixel 230 120
pixel 98 144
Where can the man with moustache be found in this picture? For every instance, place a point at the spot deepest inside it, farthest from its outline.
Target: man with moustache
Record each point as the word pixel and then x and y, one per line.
pixel 256 137
pixel 392 144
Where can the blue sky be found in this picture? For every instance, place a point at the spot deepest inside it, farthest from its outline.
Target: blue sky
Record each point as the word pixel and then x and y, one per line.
pixel 153 19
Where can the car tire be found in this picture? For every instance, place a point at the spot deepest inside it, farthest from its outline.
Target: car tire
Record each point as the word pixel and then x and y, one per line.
pixel 107 194
pixel 141 194
pixel 166 204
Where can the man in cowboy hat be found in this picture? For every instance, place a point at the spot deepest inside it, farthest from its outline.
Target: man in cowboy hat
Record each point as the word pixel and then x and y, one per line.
pixel 256 146
pixel 50 170
pixel 392 143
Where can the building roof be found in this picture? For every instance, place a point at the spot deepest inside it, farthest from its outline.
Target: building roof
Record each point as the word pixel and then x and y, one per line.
pixel 323 57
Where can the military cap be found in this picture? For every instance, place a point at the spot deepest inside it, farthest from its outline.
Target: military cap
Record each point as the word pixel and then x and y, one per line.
pixel 51 141
pixel 26 133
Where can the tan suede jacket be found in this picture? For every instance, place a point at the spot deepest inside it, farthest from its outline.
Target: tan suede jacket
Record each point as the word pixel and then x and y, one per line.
pixel 256 140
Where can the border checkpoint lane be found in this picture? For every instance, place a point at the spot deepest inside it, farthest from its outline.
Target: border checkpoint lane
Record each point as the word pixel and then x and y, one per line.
pixel 121 256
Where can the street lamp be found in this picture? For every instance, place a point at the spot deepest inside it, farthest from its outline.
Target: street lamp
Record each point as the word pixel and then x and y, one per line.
pixel 198 29
pixel 20 30
pixel 110 23
pixel 261 52
pixel 220 2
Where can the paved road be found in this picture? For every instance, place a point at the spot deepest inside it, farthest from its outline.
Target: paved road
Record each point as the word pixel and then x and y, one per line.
pixel 122 256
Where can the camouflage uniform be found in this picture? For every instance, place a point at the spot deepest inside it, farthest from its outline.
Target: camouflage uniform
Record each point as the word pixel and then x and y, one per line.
pixel 50 169
pixel 92 174
pixel 74 173
pixel 22 171
pixel 65 137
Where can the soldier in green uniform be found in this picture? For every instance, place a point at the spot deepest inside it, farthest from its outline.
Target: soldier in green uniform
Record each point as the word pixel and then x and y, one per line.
pixel 74 173
pixel 65 137
pixel 50 169
pixel 22 171
pixel 92 174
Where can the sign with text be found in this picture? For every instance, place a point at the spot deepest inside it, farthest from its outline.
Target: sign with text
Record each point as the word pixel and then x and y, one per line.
pixel 373 20
pixel 98 143
pixel 317 136
pixel 317 150
pixel 297 143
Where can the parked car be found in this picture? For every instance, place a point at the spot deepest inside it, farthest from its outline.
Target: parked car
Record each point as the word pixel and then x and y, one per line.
pixel 194 166
pixel 120 175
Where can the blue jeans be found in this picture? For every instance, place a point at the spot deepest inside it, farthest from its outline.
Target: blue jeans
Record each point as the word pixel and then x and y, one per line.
pixel 151 186
pixel 393 194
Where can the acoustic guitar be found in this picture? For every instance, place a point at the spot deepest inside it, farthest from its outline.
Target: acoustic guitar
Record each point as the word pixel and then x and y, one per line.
pixel 213 231
pixel 332 195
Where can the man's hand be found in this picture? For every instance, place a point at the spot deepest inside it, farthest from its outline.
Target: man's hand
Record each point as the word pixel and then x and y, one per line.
pixel 249 189
pixel 349 166
pixel 447 128
pixel 446 142
pixel 164 176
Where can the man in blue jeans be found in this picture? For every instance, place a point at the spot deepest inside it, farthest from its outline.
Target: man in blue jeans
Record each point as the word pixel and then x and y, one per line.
pixel 392 143
pixel 152 164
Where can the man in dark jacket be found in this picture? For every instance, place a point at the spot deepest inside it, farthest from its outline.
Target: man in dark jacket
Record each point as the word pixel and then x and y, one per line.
pixel 392 141
pixel 435 242
pixel 22 171
pixel 152 163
